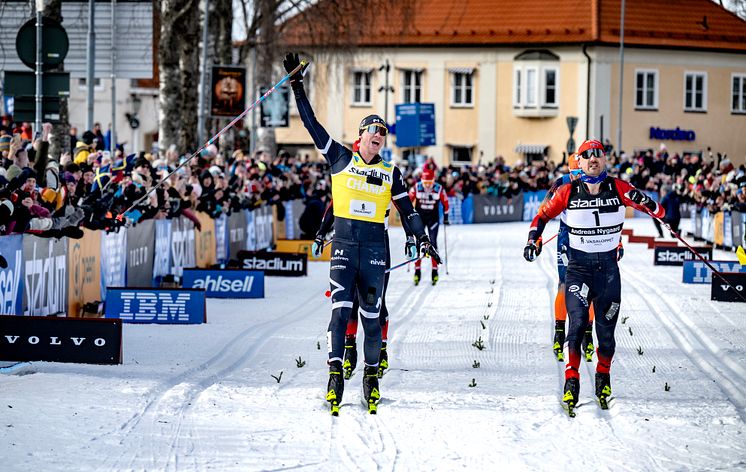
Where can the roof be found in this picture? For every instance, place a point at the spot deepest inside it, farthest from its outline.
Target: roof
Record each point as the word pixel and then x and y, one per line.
pixel 684 24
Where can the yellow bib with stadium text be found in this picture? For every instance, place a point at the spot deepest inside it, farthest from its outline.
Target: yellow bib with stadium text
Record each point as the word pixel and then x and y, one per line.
pixel 362 191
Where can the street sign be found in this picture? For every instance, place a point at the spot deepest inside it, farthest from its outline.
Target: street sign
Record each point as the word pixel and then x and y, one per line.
pixel 572 122
pixel 415 124
pixel 24 109
pixel 570 146
pixel 20 83
pixel 54 43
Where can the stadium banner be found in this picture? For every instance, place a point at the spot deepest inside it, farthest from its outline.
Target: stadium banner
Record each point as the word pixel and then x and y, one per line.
pixel 249 231
pixel 140 254
pixel 717 228
pixel 697 272
pixel 11 278
pixel 738 224
pixel 264 224
pixel 723 292
pixel 489 209
pixel 531 203
pixel 45 276
pixel 303 246
pixel 113 260
pixel 162 251
pixel 221 238
pixel 182 245
pixel 676 256
pixel 52 339
pixel 236 233
pixel 467 210
pixel 225 283
pixel 204 241
pixel 156 305
pixel 84 274
pixel 727 229
pixel 275 263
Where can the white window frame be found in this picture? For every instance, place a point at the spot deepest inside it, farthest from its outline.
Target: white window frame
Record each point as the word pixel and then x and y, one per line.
pixel 522 92
pixel 694 75
pixel 531 94
pixel 98 84
pixel 544 87
pixel 517 87
pixel 741 109
pixel 362 88
pixel 656 89
pixel 463 88
pixel 413 88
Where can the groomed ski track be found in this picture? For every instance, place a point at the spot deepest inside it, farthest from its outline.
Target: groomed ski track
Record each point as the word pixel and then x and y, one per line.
pixel 203 397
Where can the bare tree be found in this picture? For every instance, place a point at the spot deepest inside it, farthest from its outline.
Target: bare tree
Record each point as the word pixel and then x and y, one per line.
pixel 189 74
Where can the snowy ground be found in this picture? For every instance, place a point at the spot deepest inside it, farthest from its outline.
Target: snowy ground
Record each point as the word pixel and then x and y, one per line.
pixel 203 397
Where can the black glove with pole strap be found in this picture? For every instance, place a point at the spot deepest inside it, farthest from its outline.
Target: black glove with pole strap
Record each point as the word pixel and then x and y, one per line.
pixel 641 199
pixel 427 249
pixel 532 249
pixel 291 62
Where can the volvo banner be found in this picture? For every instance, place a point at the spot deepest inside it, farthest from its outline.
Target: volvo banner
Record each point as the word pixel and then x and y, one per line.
pixel 43 338
pixel 225 283
pixel 489 209
pixel 45 276
pixel 140 254
pixel 156 305
pixel 733 291
pixel 11 278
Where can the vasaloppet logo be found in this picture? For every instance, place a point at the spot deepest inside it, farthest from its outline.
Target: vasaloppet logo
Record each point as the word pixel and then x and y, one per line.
pixel 225 283
pixel 155 305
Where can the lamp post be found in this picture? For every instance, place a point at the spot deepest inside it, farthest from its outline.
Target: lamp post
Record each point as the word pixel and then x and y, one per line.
pixel 38 97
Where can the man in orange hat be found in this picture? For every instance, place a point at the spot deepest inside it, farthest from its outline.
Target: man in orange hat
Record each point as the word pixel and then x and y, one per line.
pixel 427 196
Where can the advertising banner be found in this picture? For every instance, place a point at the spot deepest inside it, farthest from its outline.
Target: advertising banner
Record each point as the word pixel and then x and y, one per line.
pixel 45 276
pixel 228 91
pixel 84 271
pixel 697 272
pixel 11 278
pixel 225 283
pixel 140 254
pixel 302 246
pixel 162 252
pixel 263 224
pixel 676 256
pixel 723 292
pixel 275 109
pixel 489 209
pixel 727 229
pixel 51 339
pixel 708 230
pixel 182 245
pixel 737 221
pixel 293 210
pixel 204 241
pixel 717 228
pixel 249 231
pixel 113 260
pixel 156 305
pixel 531 203
pixel 221 238
pixel 698 224
pixel 275 263
pixel 236 233
pixel 467 210
pixel 454 211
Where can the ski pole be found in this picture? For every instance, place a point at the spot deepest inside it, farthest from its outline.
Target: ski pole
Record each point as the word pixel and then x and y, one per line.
pixel 214 138
pixel 693 251
pixel 402 264
pixel 445 243
pixel 544 242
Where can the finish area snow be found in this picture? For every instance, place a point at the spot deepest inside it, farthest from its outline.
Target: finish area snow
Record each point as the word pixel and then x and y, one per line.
pixel 207 397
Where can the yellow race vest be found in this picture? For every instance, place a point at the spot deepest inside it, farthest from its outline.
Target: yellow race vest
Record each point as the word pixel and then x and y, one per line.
pixel 362 191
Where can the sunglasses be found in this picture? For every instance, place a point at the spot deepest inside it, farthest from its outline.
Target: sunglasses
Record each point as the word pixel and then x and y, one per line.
pixel 375 128
pixel 588 153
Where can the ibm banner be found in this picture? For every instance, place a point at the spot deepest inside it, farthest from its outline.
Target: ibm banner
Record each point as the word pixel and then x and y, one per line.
pixel 11 278
pixel 45 276
pixel 697 272
pixel 156 305
pixel 182 245
pixel 140 254
pixel 84 271
pixel 113 260
pixel 225 283
pixel 162 251
pixel 236 233
pixel 489 209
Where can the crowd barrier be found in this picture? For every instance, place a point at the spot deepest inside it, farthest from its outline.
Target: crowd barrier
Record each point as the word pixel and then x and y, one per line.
pixel 54 276
pixel 725 229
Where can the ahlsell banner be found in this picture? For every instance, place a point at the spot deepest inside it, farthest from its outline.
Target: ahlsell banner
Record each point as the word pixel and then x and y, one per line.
pixel 140 254
pixel 156 305
pixel 84 271
pixel 11 278
pixel 182 245
pixel 676 256
pixel 275 263
pixel 113 260
pixel 735 292
pixel 51 339
pixel 228 97
pixel 489 209
pixel 45 276
pixel 697 272
pixel 204 241
pixel 225 283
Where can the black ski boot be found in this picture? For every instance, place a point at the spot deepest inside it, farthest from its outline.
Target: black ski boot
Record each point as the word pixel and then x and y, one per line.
pixel 383 360
pixel 588 343
pixel 435 276
pixel 603 389
pixel 559 340
pixel 572 392
pixel 417 276
pixel 336 387
pixel 371 395
pixel 350 357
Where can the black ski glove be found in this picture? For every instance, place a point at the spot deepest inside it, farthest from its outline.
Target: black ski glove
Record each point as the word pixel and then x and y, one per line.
pixel 427 249
pixel 291 62
pixel 445 219
pixel 641 199
pixel 532 250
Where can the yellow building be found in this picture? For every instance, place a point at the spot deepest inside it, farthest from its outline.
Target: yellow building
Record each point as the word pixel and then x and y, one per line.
pixel 505 77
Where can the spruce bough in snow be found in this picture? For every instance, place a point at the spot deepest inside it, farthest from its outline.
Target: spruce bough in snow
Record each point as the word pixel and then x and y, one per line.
pixel 278 378
pixel 479 344
pixel 476 364
pixel 300 362
pixel 473 383
pixel 640 352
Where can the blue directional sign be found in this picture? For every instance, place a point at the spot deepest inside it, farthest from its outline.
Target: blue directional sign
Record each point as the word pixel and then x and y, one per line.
pixel 415 124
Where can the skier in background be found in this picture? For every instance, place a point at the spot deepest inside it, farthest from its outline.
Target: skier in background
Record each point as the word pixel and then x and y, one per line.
pixel 427 196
